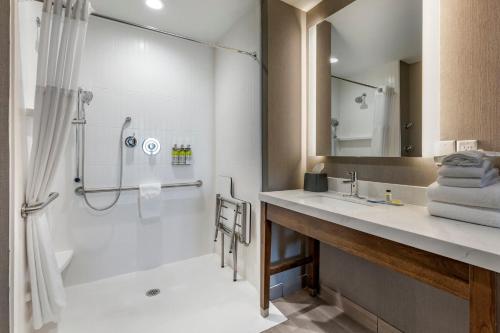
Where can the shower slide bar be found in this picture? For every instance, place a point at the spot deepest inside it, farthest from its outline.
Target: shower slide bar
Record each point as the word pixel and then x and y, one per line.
pixel 27 210
pixel 252 55
pixel 79 190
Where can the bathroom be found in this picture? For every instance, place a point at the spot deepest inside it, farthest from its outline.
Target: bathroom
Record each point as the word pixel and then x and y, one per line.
pixel 302 136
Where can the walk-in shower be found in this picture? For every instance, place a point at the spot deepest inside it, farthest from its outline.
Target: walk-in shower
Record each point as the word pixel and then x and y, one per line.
pixel 132 217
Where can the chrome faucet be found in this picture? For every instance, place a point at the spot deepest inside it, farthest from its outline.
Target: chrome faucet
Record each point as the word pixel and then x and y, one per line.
pixel 354 185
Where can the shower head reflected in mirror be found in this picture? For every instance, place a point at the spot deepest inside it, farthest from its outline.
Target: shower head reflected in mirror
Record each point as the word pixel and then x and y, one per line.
pixel 86 96
pixel 362 100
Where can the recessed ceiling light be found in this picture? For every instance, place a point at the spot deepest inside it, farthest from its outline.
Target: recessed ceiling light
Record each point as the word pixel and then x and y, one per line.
pixel 333 60
pixel 154 4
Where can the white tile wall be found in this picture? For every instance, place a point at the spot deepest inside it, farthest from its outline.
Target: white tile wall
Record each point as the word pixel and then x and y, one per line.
pixel 167 87
pixel 238 127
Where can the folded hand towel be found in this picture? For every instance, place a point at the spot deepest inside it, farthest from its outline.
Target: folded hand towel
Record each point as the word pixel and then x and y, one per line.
pixel 490 178
pixel 149 200
pixel 465 172
pixel 486 197
pixel 465 158
pixel 482 216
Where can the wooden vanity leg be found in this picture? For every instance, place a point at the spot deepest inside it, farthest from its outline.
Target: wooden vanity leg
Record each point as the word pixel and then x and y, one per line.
pixel 265 260
pixel 482 300
pixel 313 268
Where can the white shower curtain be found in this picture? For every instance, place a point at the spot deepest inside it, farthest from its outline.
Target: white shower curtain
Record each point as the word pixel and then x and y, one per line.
pixel 386 140
pixel 62 37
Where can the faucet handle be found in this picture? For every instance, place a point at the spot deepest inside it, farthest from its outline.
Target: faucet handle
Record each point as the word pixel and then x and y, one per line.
pixel 353 175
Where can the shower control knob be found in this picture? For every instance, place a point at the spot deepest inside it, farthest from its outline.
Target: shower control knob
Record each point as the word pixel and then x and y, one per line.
pixel 131 141
pixel 409 148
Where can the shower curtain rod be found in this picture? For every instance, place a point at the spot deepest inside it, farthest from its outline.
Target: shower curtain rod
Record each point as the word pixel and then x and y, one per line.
pixel 252 55
pixel 361 84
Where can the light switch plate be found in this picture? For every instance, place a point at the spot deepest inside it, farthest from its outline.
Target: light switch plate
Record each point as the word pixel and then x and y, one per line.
pixel 446 147
pixel 466 145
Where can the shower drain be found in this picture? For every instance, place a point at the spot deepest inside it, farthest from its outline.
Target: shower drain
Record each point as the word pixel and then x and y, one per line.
pixel 152 292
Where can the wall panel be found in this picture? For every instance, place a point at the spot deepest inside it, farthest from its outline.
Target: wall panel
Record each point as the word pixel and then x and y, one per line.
pixel 470 68
pixel 282 95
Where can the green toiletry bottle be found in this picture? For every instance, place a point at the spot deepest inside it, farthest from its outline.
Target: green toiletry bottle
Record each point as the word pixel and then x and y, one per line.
pixel 175 155
pixel 189 154
pixel 182 155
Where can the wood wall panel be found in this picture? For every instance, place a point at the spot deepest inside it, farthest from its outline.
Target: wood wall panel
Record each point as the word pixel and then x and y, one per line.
pixel 470 71
pixel 282 95
pixel 324 9
pixel 4 163
pixel 323 89
pixel 415 111
pixel 411 107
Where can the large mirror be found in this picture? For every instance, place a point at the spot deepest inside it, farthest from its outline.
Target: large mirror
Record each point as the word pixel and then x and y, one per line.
pixel 368 80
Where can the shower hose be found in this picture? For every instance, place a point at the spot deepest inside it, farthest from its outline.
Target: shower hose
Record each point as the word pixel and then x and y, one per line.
pixel 120 187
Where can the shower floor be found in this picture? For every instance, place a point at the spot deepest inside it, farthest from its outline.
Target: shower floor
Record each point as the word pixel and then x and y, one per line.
pixel 196 295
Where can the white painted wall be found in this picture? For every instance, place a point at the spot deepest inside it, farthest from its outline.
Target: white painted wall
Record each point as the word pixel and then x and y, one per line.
pixel 166 86
pixel 238 127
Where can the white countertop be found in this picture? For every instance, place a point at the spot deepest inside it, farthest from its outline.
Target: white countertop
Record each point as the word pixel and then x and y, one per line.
pixel 410 225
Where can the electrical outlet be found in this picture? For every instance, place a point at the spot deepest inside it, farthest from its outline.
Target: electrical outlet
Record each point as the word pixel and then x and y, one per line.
pixel 446 147
pixel 466 145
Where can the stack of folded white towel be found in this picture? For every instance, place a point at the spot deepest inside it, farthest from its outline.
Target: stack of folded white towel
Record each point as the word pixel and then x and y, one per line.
pixel 467 189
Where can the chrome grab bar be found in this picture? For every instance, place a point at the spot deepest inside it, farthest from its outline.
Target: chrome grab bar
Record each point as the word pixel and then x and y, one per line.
pixel 79 190
pixel 26 210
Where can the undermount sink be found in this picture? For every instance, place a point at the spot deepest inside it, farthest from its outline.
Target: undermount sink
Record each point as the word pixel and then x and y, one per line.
pixel 336 199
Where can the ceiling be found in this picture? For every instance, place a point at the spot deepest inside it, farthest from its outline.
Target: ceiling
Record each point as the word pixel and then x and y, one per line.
pixel 202 19
pixel 368 33
pixel 305 5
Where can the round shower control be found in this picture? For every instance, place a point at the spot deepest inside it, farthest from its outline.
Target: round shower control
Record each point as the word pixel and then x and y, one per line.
pixel 151 146
pixel 131 141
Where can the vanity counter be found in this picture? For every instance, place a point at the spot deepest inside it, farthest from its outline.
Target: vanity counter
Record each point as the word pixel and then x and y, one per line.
pixel 409 225
pixel 456 257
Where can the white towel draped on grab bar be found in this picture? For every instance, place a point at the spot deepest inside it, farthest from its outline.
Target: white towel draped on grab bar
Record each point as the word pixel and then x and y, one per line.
pixel 150 201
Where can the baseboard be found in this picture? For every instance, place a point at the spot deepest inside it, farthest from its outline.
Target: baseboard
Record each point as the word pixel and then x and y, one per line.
pixel 287 288
pixel 356 312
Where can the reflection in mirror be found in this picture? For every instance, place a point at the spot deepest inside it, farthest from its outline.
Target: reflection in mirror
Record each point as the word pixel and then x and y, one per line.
pixel 371 94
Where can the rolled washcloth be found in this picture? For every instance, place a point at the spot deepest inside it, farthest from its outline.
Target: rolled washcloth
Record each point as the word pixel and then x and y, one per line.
pixel 482 216
pixel 490 178
pixel 465 158
pixel 465 172
pixel 487 197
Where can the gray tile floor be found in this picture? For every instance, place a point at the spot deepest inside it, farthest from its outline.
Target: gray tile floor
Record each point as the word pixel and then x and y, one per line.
pixel 312 315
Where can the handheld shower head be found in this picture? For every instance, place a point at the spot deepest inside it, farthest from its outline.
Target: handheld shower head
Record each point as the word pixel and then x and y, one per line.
pixel 86 96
